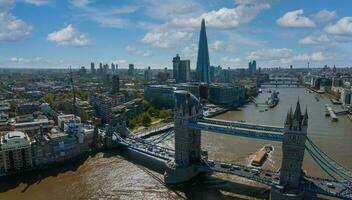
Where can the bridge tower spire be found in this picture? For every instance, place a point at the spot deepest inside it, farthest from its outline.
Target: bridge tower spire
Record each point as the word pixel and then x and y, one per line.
pixel 187 141
pixel 293 146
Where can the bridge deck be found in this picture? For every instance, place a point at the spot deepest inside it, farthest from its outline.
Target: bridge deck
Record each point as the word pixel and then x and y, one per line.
pixel 243 125
pixel 236 131
pixel 309 183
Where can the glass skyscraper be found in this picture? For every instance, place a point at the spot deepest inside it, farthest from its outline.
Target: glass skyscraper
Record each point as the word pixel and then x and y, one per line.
pixel 203 63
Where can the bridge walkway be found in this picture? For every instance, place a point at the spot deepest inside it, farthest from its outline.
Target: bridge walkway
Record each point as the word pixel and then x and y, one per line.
pixel 236 131
pixel 243 125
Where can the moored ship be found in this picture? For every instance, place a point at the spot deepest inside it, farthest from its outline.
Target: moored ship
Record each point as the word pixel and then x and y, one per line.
pixel 273 100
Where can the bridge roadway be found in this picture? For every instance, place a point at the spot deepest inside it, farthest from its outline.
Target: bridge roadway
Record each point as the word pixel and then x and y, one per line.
pixel 155 131
pixel 243 125
pixel 310 184
pixel 143 146
pixel 228 129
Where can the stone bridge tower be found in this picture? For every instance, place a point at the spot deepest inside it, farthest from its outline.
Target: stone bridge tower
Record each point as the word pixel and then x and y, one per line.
pixel 293 146
pixel 187 141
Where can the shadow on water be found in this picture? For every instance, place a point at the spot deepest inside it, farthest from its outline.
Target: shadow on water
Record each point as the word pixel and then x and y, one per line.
pixel 36 176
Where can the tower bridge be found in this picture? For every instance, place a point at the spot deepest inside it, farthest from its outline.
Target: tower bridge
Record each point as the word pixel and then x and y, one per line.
pixel 185 161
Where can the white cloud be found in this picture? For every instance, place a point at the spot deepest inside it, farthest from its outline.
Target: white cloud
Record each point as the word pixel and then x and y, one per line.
pixel 166 37
pixel 190 51
pixel 119 61
pixel 217 45
pixel 295 19
pixel 170 9
pixel 106 17
pixel 69 36
pixel 224 18
pixel 270 54
pixel 227 59
pixel 11 27
pixel 257 1
pixel 80 3
pixel 315 56
pixel 321 39
pixel 133 51
pixel 37 2
pixel 342 27
pixel 324 16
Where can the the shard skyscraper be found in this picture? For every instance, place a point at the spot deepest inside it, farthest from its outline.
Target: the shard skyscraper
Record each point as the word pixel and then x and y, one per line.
pixel 203 63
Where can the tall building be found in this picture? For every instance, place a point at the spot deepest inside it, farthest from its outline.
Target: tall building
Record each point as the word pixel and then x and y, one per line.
pixel 115 84
pixel 175 61
pixel 92 68
pixel 112 67
pixel 147 74
pixel 131 70
pixel 252 66
pixel 100 68
pixel 203 62
pixel 181 69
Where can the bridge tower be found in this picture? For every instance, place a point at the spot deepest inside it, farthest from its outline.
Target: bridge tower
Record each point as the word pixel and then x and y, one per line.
pixel 187 141
pixel 293 146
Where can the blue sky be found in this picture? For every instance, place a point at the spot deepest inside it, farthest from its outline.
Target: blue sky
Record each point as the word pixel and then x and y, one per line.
pixel 62 33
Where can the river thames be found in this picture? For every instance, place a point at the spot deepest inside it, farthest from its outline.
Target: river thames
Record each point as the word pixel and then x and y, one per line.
pixel 125 175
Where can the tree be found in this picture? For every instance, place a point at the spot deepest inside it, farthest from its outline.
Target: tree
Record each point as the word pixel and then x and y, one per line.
pixel 154 112
pixel 146 105
pixel 146 120
pixel 132 123
pixel 49 98
pixel 165 114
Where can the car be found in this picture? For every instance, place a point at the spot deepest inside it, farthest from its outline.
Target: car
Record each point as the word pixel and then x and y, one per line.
pixel 234 167
pixel 211 163
pixel 246 170
pixel 268 175
pixel 225 165
pixel 255 171
pixel 330 185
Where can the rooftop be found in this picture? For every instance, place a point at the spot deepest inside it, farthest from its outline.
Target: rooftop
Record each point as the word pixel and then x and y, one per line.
pixel 14 134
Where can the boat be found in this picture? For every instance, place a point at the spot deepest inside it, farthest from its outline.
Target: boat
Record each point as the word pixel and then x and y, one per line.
pixel 261 156
pixel 273 100
pixel 336 102
pixel 350 117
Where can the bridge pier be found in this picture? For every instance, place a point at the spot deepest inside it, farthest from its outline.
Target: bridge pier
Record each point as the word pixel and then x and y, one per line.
pixel 293 146
pixel 187 141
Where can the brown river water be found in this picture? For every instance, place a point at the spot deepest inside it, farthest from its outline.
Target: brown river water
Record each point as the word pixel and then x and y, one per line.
pixel 123 174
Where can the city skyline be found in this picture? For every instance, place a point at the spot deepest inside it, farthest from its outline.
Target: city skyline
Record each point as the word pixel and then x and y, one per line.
pixel 149 33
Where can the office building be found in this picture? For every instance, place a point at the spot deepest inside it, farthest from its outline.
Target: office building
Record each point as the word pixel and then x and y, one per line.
pixel 92 68
pixel 226 94
pixel 131 70
pixel 181 69
pixel 115 84
pixel 147 74
pixel 160 95
pixel 252 66
pixel 15 152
